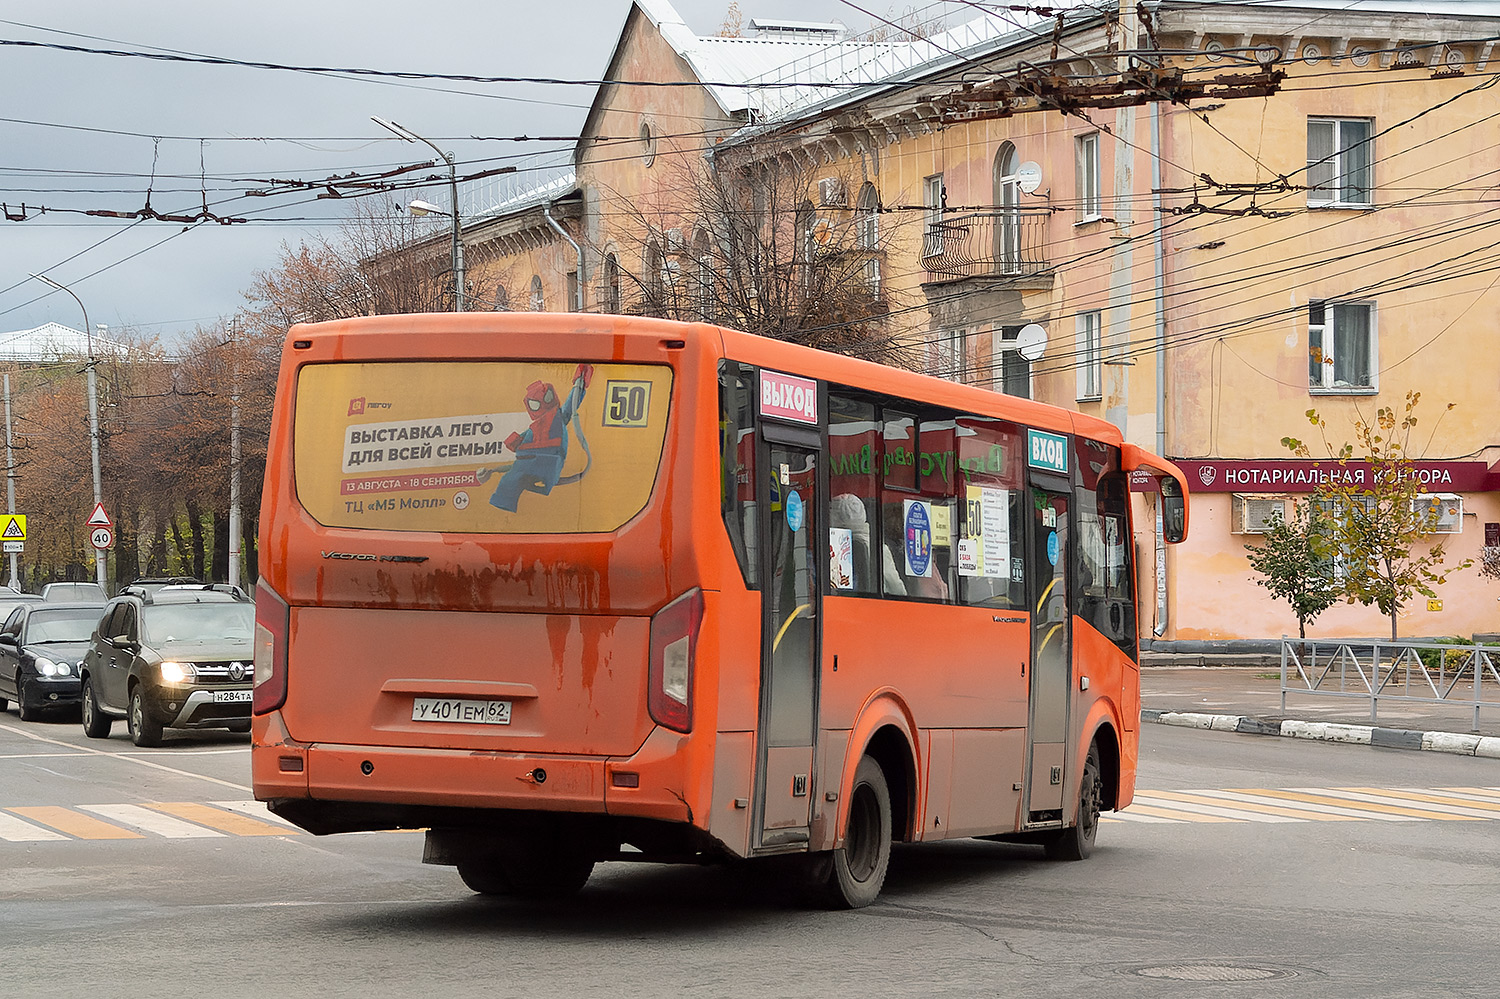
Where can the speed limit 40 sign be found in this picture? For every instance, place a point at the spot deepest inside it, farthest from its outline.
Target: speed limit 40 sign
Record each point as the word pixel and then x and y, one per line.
pixel 102 538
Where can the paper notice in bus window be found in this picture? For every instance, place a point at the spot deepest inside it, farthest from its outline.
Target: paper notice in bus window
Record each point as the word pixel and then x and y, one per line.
pixel 479 447
pixel 841 558
pixel 985 548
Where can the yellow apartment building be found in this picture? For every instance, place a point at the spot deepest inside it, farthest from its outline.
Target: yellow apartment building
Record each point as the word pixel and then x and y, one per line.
pixel 1196 220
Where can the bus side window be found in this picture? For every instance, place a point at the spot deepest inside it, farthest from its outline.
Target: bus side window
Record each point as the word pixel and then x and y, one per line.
pixel 1103 593
pixel 854 454
pixel 737 465
pixel 991 521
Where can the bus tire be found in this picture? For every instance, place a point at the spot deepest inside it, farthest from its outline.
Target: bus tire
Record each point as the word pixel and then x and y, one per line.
pixel 857 869
pixel 533 870
pixel 96 724
pixel 1077 841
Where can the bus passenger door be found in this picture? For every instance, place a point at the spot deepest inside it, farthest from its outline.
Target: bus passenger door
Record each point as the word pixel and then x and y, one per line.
pixel 790 634
pixel 1047 572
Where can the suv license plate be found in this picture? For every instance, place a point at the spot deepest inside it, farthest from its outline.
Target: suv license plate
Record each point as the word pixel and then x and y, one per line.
pixel 454 709
pixel 232 696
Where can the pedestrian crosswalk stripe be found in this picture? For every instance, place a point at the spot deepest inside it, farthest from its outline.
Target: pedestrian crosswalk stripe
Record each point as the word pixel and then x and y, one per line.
pixel 217 818
pixel 14 830
pixel 1343 804
pixel 257 810
pixel 151 821
pixel 75 824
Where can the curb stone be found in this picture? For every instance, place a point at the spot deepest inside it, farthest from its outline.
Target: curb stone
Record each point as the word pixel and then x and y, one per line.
pixel 1362 735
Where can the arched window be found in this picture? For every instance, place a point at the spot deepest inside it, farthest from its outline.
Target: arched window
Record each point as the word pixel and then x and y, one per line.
pixel 612 284
pixel 867 235
pixel 706 287
pixel 651 267
pixel 1008 201
pixel 502 299
pixel 538 301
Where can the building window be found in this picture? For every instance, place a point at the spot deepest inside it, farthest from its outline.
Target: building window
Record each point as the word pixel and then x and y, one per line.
pixel 1014 370
pixel 1341 347
pixel 1007 186
pixel 572 304
pixel 648 143
pixel 612 285
pixel 1090 354
pixel 932 201
pixel 867 236
pixel 538 302
pixel 949 354
pixel 1089 199
pixel 1339 162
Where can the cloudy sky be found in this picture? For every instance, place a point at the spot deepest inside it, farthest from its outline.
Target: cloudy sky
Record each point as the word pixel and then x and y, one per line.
pixel 84 132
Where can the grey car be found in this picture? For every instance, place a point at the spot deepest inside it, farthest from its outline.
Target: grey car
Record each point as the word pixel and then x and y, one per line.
pixel 41 648
pixel 177 659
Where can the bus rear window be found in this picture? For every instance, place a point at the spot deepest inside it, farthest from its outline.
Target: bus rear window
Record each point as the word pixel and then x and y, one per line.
pixel 491 447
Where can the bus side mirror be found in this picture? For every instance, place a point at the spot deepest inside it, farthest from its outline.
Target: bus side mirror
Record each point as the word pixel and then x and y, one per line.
pixel 1173 511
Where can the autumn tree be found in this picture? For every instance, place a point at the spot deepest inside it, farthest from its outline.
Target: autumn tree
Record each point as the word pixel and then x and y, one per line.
pixel 772 248
pixel 1295 563
pixel 1373 497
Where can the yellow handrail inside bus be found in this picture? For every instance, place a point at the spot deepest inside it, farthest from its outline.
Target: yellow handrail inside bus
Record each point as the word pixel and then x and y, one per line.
pixel 1043 598
pixel 790 618
pixel 1050 633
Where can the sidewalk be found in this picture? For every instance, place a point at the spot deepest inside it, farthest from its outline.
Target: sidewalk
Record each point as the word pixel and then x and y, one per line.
pixel 1247 698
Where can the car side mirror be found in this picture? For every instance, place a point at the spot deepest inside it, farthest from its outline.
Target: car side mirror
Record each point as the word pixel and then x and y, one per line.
pixel 125 642
pixel 8 639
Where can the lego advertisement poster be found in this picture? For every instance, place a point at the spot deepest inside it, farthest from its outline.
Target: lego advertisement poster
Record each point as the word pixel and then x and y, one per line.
pixel 481 447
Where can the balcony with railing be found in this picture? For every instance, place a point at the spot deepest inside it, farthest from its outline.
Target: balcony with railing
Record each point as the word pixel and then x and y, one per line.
pixel 1009 243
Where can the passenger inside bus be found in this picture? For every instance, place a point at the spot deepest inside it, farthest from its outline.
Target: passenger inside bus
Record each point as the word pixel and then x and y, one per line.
pixel 848 511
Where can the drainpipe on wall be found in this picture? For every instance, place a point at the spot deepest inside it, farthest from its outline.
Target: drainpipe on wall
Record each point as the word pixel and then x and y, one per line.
pixel 578 291
pixel 1159 262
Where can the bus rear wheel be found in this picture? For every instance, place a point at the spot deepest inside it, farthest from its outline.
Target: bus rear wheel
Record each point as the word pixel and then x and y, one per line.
pixel 529 870
pixel 856 870
pixel 1077 841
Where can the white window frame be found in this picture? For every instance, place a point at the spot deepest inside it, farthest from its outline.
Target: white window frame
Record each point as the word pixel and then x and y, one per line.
pixel 1329 178
pixel 1005 348
pixel 932 203
pixel 1089 193
pixel 1322 366
pixel 1089 350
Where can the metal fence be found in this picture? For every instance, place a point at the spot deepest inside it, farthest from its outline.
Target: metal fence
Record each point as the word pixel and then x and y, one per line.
pixel 1396 672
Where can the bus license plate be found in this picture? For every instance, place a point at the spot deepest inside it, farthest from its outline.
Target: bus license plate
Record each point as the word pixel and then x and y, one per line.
pixel 232 696
pixel 454 709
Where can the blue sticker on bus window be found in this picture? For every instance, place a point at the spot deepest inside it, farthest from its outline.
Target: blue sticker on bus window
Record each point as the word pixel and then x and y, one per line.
pixel 1052 548
pixel 794 510
pixel 918 539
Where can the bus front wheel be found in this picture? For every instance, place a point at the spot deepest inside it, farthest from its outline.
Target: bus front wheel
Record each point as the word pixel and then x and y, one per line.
pixel 857 869
pixel 1077 841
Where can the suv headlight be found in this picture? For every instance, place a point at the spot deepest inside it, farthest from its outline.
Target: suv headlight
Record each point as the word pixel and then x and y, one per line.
pixel 46 667
pixel 174 672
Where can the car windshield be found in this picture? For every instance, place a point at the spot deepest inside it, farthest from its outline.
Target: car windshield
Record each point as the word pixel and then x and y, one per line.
pixel 198 622
pixel 61 626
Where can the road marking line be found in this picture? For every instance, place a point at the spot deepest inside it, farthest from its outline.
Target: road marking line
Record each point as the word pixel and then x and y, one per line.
pixel 218 818
pixel 123 756
pixel 1132 816
pixel 1321 796
pixel 17 831
pixel 71 822
pixel 1191 803
pixel 1488 793
pixel 151 821
pixel 257 810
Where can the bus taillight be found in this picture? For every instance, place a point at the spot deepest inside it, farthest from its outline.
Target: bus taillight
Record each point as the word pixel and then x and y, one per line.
pixel 674 640
pixel 272 625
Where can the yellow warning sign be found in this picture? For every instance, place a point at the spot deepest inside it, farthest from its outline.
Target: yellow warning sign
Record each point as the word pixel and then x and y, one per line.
pixel 14 528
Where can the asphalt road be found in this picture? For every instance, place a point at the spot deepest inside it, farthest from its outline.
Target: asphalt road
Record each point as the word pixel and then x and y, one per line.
pixel 1249 866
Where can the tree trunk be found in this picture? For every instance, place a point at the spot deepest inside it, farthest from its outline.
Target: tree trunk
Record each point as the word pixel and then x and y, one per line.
pixel 195 524
pixel 183 544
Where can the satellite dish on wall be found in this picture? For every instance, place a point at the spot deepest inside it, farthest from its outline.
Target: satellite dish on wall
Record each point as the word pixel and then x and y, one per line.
pixel 1028 177
pixel 1031 342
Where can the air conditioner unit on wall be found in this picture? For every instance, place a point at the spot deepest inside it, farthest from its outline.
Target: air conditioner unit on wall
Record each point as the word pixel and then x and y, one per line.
pixel 1257 514
pixel 1448 508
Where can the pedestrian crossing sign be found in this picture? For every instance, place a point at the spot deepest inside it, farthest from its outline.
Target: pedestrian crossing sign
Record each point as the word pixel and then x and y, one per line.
pixel 14 528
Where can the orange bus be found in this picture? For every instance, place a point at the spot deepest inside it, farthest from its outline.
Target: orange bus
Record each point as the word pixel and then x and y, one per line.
pixel 562 589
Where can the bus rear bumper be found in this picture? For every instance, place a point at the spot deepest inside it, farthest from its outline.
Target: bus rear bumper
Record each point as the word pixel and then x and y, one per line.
pixel 348 788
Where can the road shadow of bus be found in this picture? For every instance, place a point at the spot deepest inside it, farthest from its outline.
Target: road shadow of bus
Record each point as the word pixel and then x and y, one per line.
pixel 678 900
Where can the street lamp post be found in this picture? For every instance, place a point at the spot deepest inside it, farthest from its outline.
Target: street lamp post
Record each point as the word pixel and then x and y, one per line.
pixel 423 208
pixel 93 412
